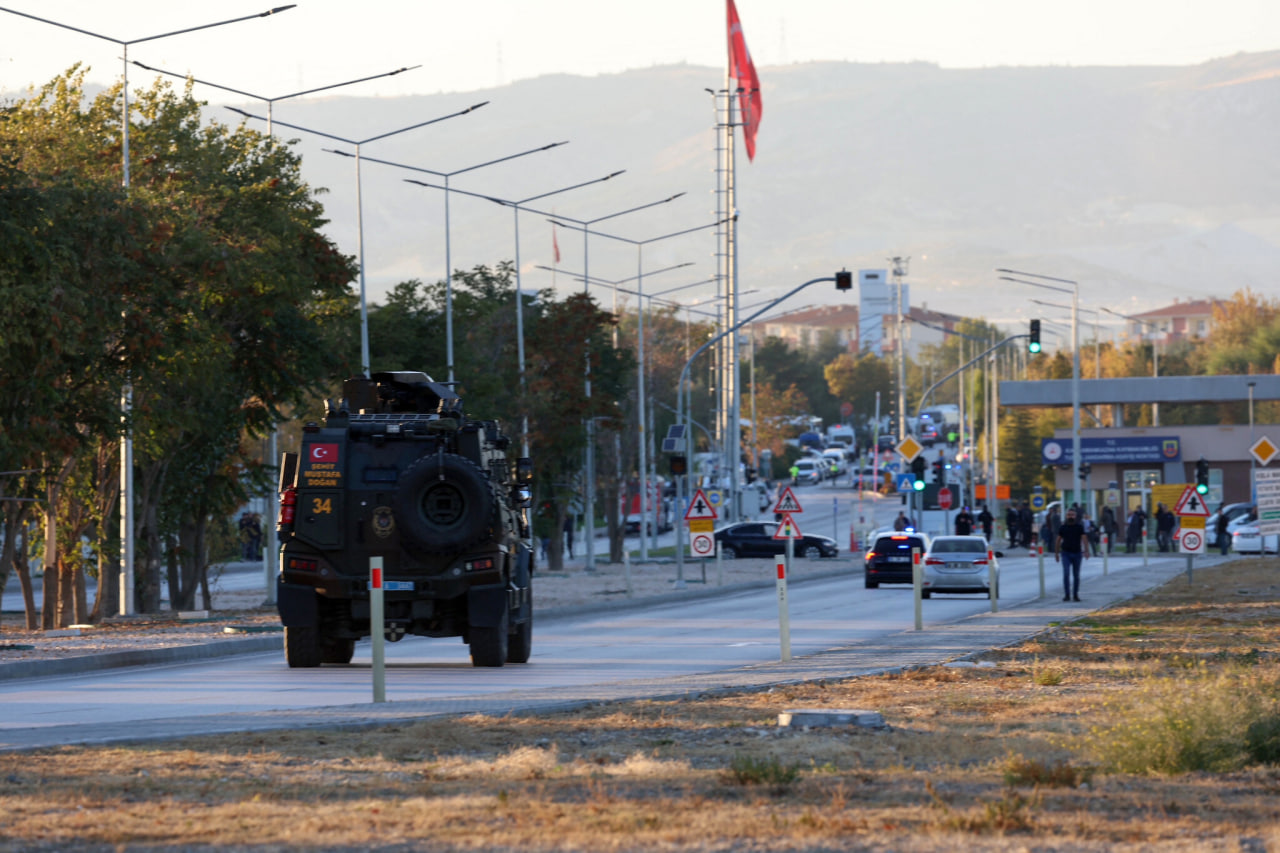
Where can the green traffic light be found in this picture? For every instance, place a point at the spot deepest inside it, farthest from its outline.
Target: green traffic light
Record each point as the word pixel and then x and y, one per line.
pixel 1201 488
pixel 1034 346
pixel 918 485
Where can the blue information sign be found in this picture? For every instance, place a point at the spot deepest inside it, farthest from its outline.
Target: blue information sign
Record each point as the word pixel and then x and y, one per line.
pixel 1103 451
pixel 905 483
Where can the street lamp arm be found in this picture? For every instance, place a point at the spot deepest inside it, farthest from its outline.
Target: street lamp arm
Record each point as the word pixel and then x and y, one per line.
pixel 925 396
pixel 127 42
pixel 469 109
pixel 278 97
pixel 247 114
pixel 942 329
pixel 520 204
pixel 1037 284
pixel 1037 275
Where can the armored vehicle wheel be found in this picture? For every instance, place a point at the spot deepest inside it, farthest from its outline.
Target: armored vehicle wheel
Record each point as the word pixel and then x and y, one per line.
pixel 444 504
pixel 520 641
pixel 871 584
pixel 301 647
pixel 333 650
pixel 489 645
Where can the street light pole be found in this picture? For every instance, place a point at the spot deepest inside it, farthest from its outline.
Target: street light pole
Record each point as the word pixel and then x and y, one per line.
pixel 364 306
pixel 126 393
pixel 1076 461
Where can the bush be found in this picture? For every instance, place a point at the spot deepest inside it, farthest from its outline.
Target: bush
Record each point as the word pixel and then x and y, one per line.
pixel 1204 721
pixel 745 770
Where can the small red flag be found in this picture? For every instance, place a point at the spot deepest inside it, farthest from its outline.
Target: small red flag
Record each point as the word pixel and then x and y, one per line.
pixel 555 244
pixel 743 70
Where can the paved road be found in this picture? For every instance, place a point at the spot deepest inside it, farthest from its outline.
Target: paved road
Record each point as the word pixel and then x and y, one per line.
pixel 839 629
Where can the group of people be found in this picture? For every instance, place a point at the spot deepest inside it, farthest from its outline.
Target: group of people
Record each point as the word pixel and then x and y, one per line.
pixel 250 536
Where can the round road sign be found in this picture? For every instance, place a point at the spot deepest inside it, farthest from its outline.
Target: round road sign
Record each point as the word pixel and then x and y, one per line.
pixel 1191 540
pixel 944 497
pixel 702 544
pixel 846 409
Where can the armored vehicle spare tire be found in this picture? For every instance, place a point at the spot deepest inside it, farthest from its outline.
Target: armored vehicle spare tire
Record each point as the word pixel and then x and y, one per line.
pixel 443 504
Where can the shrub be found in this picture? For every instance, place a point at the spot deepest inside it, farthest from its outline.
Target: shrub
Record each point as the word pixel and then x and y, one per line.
pixel 1203 721
pixel 1026 771
pixel 745 770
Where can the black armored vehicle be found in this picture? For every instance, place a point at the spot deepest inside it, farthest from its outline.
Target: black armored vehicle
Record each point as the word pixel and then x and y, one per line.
pixel 398 471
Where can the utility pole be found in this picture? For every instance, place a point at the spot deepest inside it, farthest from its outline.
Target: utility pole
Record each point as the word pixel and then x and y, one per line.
pixel 900 270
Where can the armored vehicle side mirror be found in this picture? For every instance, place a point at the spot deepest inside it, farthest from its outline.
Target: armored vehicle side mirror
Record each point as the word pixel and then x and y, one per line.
pixel 524 470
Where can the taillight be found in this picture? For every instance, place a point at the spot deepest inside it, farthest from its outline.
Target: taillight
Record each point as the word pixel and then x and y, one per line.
pixel 980 563
pixel 932 561
pixel 288 506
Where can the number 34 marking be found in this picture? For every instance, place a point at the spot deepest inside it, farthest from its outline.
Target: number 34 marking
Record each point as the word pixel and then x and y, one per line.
pixel 322 506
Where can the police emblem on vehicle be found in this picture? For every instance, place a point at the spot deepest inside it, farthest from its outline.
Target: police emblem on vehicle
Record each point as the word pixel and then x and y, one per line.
pixel 384 523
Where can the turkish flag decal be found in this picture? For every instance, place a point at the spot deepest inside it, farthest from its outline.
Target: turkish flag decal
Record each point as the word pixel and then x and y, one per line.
pixel 324 453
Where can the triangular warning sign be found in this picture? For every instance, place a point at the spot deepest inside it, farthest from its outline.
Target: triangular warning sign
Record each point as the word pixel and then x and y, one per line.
pixel 787 502
pixel 1191 503
pixel 700 507
pixel 788 529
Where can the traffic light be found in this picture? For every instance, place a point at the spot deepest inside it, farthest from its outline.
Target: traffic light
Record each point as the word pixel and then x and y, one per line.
pixel 1085 469
pixel 1202 476
pixel 917 473
pixel 1033 345
pixel 844 280
pixel 679 465
pixel 939 472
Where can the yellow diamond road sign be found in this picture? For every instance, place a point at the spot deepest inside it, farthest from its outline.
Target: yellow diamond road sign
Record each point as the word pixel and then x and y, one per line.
pixel 1264 450
pixel 909 448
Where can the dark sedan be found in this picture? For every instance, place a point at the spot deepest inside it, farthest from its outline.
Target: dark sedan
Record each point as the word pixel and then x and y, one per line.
pixel 889 560
pixel 755 539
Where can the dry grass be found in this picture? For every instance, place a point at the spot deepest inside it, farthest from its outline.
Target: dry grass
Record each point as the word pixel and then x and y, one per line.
pixel 979 759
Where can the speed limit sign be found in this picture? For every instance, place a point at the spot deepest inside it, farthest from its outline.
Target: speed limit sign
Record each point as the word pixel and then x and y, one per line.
pixel 1192 542
pixel 702 544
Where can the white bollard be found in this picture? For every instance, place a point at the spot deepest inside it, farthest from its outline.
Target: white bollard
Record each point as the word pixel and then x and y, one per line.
pixel 993 580
pixel 1106 553
pixel 784 618
pixel 626 571
pixel 377 630
pixel 917 585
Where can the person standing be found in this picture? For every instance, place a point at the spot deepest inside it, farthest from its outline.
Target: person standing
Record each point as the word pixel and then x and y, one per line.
pixel 1108 525
pixel 986 519
pixel 1165 522
pixel 568 534
pixel 1011 525
pixel 1071 547
pixel 900 523
pixel 964 522
pixel 1133 535
pixel 1026 525
pixel 1224 538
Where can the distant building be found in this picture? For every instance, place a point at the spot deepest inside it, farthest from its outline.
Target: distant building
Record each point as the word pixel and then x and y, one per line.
pixel 806 328
pixel 1179 321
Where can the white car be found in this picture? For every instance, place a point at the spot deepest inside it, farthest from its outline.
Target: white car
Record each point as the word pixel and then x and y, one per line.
pixel 810 471
pixel 836 455
pixel 1245 539
pixel 1237 514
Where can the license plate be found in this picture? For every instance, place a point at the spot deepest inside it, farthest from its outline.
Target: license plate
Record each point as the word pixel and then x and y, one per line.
pixel 395 586
pixel 897 559
pixel 959 565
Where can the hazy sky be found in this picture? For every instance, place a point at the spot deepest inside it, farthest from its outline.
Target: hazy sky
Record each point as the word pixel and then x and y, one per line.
pixel 477 44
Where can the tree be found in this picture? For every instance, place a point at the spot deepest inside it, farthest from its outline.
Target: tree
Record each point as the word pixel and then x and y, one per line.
pixel 857 379
pixel 208 286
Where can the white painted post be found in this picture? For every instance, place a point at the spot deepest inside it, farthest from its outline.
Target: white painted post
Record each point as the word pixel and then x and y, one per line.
pixel 626 570
pixel 719 565
pixel 993 580
pixel 377 629
pixel 1106 553
pixel 1040 560
pixel 784 618
pixel 917 586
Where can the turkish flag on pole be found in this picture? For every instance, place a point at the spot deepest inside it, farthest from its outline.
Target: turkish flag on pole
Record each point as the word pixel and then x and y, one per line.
pixel 555 244
pixel 743 70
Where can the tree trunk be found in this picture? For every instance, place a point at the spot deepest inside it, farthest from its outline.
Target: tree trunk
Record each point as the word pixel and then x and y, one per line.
pixel 22 564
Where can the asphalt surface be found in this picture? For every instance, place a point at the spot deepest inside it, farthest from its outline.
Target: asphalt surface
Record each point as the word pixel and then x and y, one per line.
pixel 937 644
